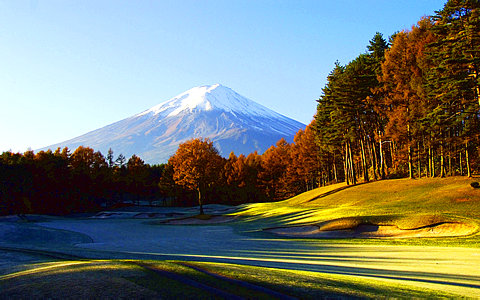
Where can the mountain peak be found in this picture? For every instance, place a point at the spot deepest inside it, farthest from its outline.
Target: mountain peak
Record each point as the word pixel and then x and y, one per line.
pixel 231 121
pixel 207 98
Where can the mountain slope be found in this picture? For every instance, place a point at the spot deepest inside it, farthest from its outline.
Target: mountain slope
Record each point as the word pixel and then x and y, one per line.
pixel 231 121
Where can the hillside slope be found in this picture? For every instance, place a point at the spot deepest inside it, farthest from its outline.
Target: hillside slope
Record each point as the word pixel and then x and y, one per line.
pixel 402 203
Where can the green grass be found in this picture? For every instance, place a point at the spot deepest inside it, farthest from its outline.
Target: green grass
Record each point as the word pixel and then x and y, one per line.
pixel 125 279
pixel 315 285
pixel 405 203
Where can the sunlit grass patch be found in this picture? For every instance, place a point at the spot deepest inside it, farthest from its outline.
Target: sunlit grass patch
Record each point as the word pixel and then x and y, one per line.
pixel 405 203
pixel 314 285
pixel 44 268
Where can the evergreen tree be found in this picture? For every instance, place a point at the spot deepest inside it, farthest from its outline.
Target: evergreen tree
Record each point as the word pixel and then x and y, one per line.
pixel 453 81
pixel 456 53
pixel 110 160
pixel 121 160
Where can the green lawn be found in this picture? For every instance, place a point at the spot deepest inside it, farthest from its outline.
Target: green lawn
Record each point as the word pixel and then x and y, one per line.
pixel 405 203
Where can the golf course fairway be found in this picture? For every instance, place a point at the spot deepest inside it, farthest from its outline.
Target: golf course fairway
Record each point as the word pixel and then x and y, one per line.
pixel 393 238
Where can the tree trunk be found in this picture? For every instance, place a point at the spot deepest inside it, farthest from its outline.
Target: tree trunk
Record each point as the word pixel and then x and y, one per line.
pixel 442 161
pixel 475 76
pixel 418 161
pixel 200 201
pixel 467 161
pixel 450 170
pixel 427 162
pixel 352 165
pixel 382 162
pixel 393 155
pixel 478 93
pixel 364 162
pixel 345 166
pixel 374 160
pixel 410 163
pixel 460 162
pixel 335 169
pixel 432 161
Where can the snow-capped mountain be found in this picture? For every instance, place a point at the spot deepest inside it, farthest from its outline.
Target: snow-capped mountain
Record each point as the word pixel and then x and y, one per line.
pixel 231 121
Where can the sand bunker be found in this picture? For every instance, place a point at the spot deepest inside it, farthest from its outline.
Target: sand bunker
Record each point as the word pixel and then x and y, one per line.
pixel 365 230
pixel 199 220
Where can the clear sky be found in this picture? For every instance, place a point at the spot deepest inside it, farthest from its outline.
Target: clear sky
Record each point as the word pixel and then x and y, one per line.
pixel 69 67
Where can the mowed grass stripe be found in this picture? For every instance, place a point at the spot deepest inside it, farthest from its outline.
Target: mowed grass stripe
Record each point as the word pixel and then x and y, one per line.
pixel 155 279
pixel 244 284
pixel 185 280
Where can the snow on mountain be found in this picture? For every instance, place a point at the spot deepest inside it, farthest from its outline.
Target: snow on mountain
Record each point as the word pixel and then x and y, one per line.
pixel 231 121
pixel 210 97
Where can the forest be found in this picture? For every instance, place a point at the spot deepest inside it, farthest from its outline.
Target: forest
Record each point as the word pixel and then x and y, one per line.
pixel 407 107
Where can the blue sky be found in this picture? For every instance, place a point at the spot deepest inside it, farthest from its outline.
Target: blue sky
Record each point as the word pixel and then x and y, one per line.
pixel 69 67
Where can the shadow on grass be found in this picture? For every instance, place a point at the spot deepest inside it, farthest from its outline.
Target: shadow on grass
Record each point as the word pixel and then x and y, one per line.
pixel 325 266
pixel 323 195
pixel 328 262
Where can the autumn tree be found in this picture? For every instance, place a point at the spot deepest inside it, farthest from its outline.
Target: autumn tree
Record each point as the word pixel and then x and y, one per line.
pixel 52 179
pixel 305 166
pixel 197 166
pixel 403 79
pixel 89 173
pixel 16 184
pixel 234 173
pixel 136 178
pixel 253 167
pixel 274 164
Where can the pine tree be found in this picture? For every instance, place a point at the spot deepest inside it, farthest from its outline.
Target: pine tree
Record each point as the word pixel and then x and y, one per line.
pixel 456 53
pixel 453 81
pixel 110 160
pixel 121 160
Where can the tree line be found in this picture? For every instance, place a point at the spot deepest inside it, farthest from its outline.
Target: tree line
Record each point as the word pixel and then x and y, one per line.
pixel 61 182
pixel 408 107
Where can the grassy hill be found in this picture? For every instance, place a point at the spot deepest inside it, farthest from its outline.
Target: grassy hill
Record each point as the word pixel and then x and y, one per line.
pixel 403 203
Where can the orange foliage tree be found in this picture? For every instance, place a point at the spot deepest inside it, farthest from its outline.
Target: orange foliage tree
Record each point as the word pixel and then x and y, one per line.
pixel 274 164
pixel 403 80
pixel 197 166
pixel 304 168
